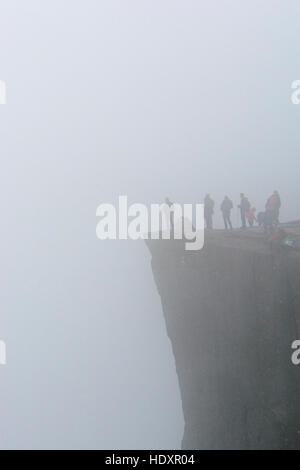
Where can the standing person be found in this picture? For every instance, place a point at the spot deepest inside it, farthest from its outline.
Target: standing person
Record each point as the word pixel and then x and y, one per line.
pixel 208 211
pixel 226 207
pixel 269 222
pixel 272 207
pixel 250 215
pixel 169 217
pixel 244 207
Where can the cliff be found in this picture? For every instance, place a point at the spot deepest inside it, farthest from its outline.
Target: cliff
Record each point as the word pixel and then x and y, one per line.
pixel 232 313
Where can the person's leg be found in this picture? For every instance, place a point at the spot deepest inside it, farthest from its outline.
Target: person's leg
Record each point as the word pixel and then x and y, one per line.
pixel 229 221
pixel 243 216
pixel 208 221
pixel 225 221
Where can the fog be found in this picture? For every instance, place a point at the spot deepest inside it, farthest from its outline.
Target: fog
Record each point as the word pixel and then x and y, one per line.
pixel 140 98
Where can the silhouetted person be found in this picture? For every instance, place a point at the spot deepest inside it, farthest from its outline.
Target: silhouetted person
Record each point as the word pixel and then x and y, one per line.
pixel 273 205
pixel 250 215
pixel 244 207
pixel 171 220
pixel 208 211
pixel 226 207
pixel 269 221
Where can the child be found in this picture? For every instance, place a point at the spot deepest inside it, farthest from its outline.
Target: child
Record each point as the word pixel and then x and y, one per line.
pixel 250 216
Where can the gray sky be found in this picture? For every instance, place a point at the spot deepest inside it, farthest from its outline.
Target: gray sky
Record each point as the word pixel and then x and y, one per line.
pixel 136 97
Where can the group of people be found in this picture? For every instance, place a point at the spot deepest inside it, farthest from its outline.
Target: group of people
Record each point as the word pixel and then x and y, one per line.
pixel 269 218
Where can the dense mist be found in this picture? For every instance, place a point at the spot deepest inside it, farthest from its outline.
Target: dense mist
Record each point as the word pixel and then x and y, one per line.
pixel 140 98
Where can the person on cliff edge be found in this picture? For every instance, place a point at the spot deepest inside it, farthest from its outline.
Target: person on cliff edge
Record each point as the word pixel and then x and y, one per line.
pixel 208 211
pixel 226 207
pixel 244 207
pixel 273 206
pixel 169 219
pixel 250 216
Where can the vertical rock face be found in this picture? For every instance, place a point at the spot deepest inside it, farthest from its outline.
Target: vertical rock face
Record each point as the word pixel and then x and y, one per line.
pixel 231 315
